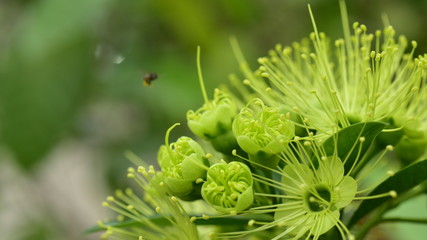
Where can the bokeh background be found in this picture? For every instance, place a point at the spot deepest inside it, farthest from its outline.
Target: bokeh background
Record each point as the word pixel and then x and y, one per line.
pixel 72 99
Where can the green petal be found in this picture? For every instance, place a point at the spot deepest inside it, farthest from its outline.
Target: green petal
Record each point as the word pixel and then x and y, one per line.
pixel 248 145
pixel 327 221
pixel 331 170
pixel 197 127
pixel 192 168
pixel 275 147
pixel 245 200
pixel 179 187
pixel 295 176
pixel 345 192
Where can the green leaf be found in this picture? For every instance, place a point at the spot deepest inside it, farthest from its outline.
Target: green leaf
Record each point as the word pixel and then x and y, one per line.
pixel 401 182
pixel 347 141
pixel 241 220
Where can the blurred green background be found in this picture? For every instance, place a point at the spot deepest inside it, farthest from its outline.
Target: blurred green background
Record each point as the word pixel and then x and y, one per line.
pixel 72 99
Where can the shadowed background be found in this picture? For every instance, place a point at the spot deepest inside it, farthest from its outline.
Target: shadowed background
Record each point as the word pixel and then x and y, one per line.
pixel 72 99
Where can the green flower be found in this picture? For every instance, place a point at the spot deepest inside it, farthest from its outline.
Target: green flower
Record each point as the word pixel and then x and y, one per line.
pixel 229 187
pixel 262 132
pixel 314 197
pixel 183 163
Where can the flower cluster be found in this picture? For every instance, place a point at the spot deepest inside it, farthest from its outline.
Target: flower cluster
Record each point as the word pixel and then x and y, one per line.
pixel 295 152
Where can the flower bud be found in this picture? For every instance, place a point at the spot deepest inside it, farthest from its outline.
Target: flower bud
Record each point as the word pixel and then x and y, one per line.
pixel 182 163
pixel 214 118
pixel 229 187
pixel 262 133
pixel 410 149
pixel 413 144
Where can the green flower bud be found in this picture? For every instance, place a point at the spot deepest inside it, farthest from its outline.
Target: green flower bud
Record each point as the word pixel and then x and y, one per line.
pixel 262 133
pixel 229 187
pixel 182 163
pixel 413 143
pixel 214 118
pixel 410 149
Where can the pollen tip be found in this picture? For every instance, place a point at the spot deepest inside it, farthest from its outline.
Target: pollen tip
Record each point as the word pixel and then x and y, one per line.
pixel 130 175
pixel 206 217
pixel 110 198
pixel 119 193
pixel 362 139
pixel 129 191
pixel 192 219
pixel 251 222
pixel 120 218
pixel 151 169
pixel 262 60
pixel 157 209
pixel 199 180
pixel 393 194
pixel 390 173
pixel 233 213
pixel 389 148
pixel 234 152
pixel 141 169
pixel 130 207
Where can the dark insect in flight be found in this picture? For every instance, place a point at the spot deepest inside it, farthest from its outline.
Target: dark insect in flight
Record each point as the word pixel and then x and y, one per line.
pixel 148 78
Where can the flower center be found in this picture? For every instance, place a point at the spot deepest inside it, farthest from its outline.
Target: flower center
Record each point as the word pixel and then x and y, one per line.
pixel 318 199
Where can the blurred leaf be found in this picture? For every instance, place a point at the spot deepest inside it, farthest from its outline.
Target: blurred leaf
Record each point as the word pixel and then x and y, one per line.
pixel 44 75
pixel 348 138
pixel 402 181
